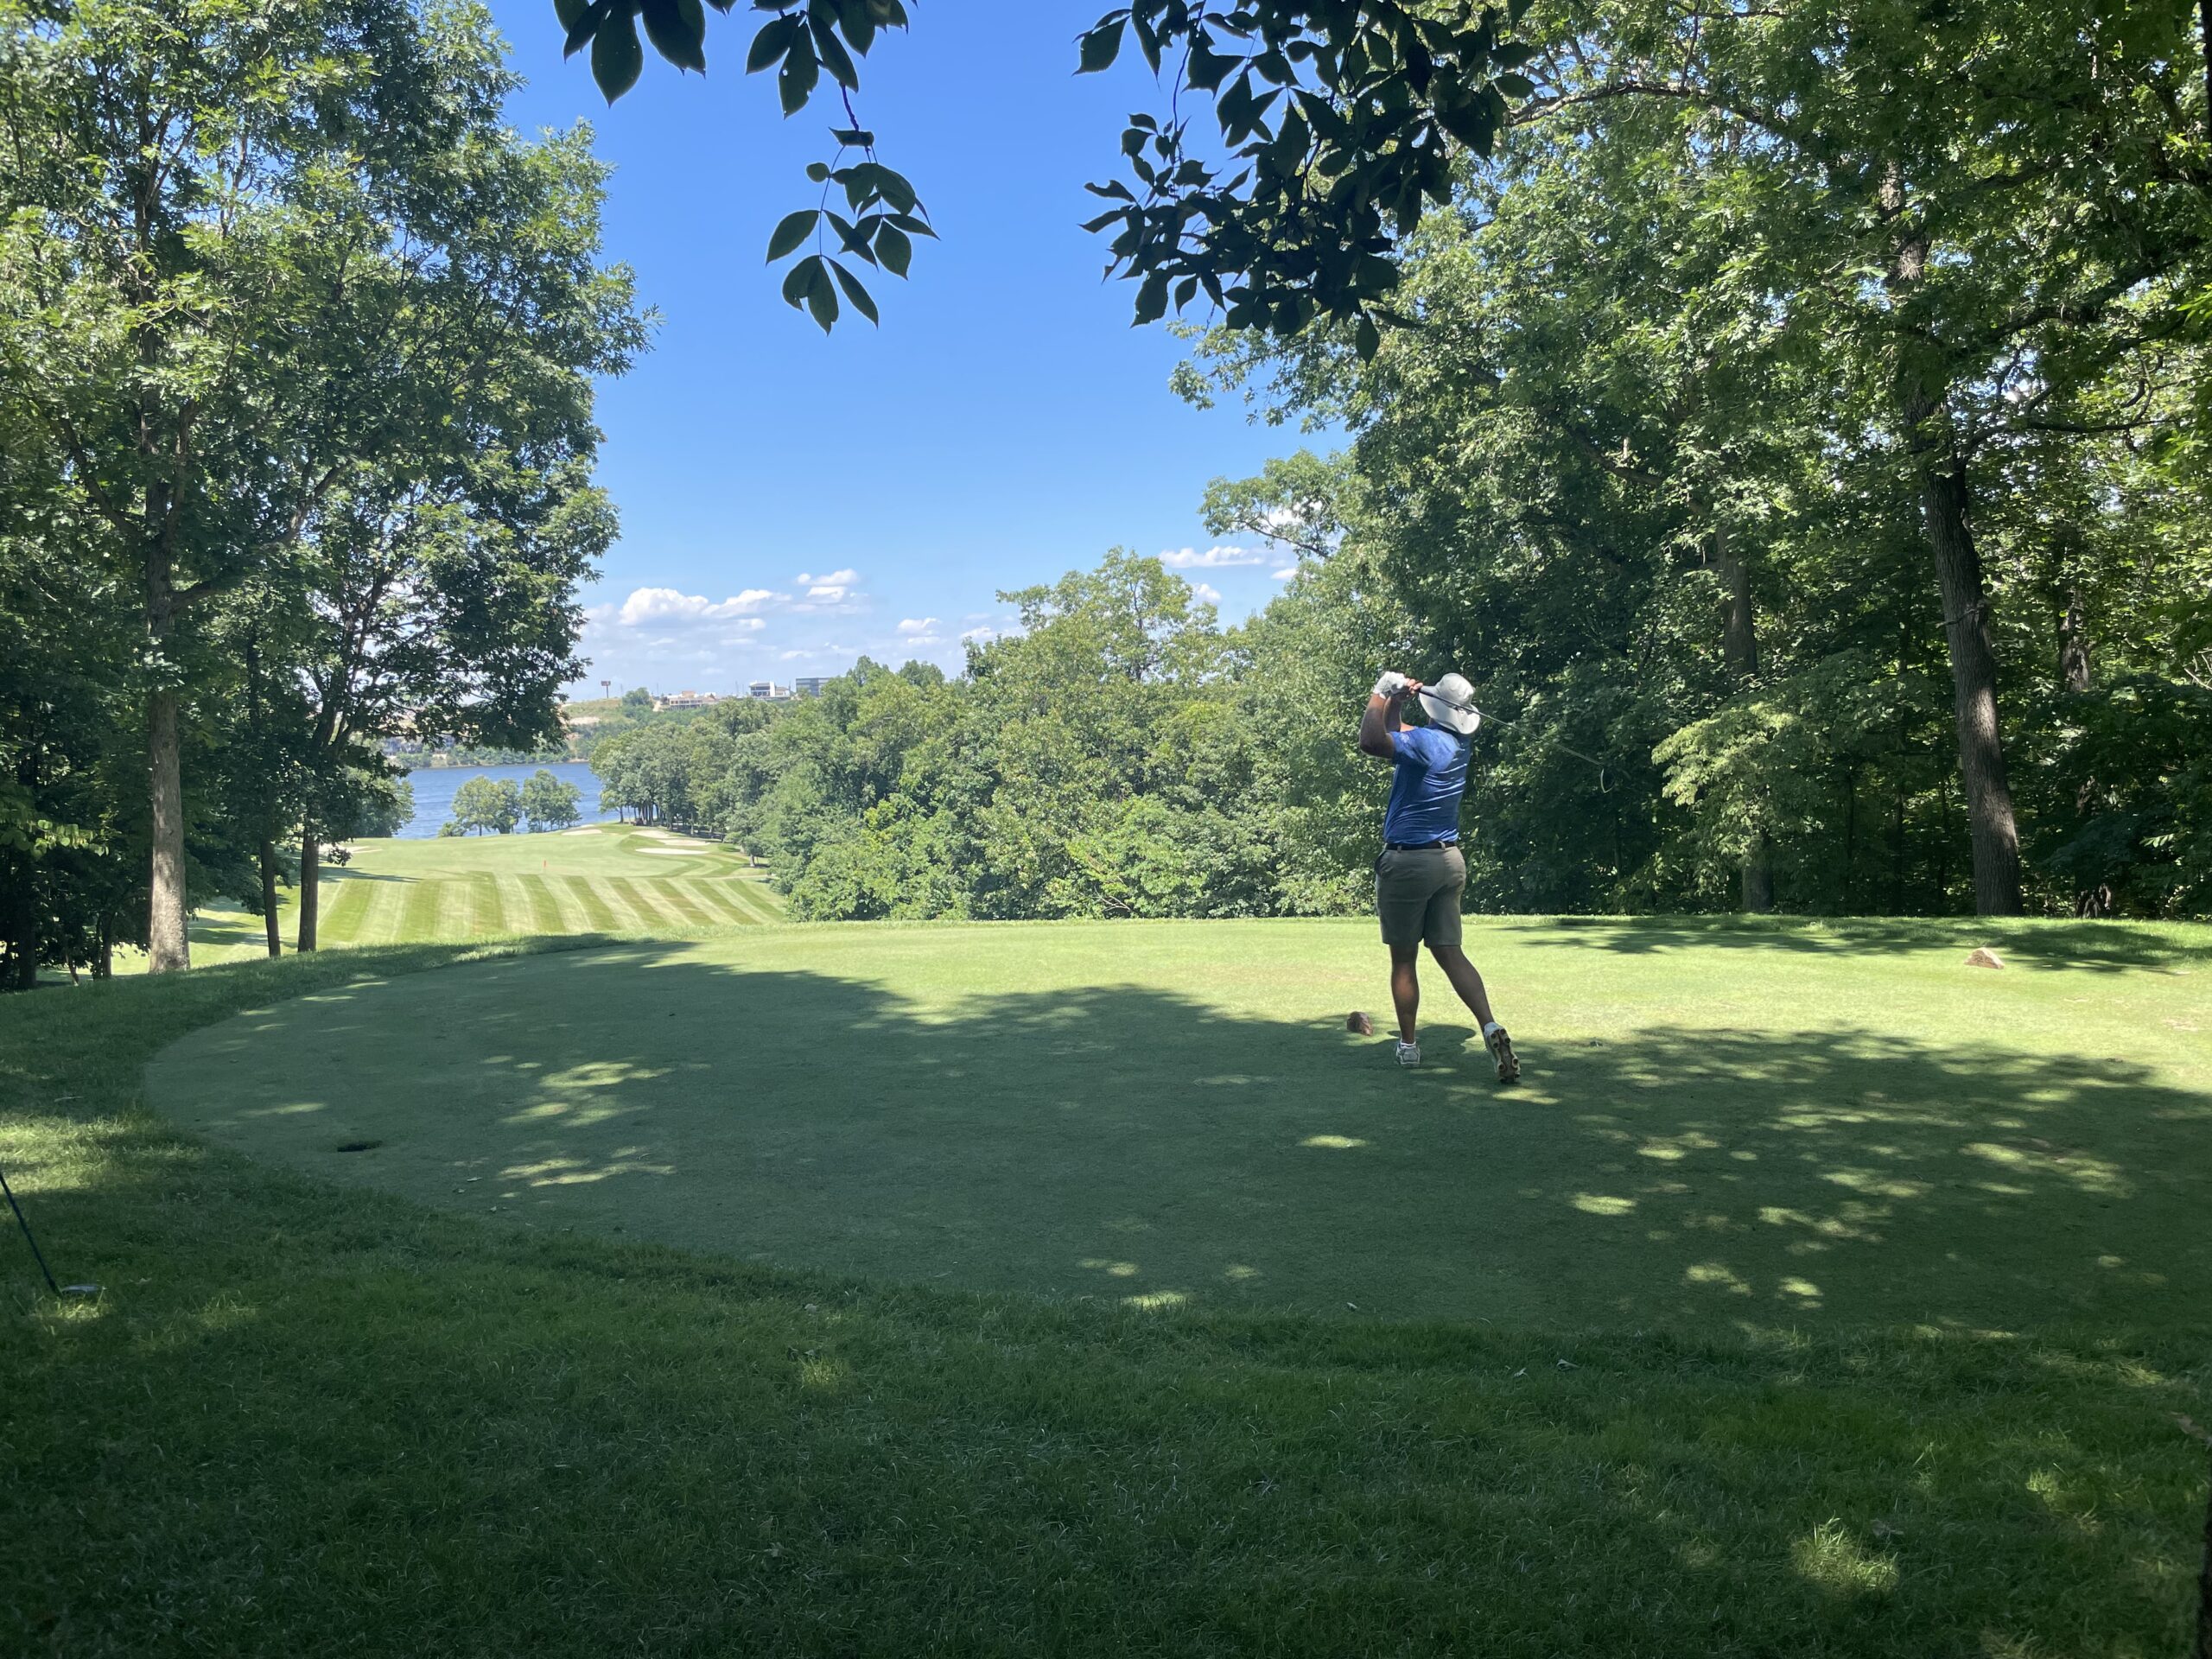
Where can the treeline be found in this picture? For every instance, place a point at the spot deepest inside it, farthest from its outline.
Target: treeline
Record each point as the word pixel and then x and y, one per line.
pixel 296 443
pixel 1101 763
pixel 1806 415
pixel 1125 755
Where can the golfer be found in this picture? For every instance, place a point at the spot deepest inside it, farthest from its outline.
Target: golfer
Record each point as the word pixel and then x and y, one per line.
pixel 1421 875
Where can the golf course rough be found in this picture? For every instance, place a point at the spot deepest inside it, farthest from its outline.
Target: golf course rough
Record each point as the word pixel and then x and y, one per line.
pixel 1739 1126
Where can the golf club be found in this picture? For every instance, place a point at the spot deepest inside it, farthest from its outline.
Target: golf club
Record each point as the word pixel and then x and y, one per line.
pixel 24 1221
pixel 1604 772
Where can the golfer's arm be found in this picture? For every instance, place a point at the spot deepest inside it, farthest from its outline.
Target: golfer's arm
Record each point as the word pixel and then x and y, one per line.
pixel 1376 721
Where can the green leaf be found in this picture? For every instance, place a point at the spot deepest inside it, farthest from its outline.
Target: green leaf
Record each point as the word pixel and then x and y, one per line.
pixel 893 249
pixel 857 18
pixel 1367 339
pixel 773 41
pixel 677 29
pixel 570 12
pixel 585 27
pixel 616 57
pixel 854 138
pixel 912 225
pixel 795 280
pixel 855 293
pixel 796 80
pixel 1102 45
pixel 1151 299
pixel 896 191
pixel 831 50
pixel 852 238
pixel 820 294
pixel 1514 85
pixel 818 171
pixel 793 229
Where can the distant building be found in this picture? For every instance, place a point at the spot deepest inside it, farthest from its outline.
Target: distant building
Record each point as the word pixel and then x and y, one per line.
pixel 768 691
pixel 688 700
pixel 809 685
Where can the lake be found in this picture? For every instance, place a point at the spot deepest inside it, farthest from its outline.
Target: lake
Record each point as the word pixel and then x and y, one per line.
pixel 435 786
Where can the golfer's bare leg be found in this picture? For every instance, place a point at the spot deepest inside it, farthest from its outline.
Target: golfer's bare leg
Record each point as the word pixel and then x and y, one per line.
pixel 1465 980
pixel 1405 988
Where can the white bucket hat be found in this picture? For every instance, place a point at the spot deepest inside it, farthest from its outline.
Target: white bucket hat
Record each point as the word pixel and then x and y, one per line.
pixel 1451 703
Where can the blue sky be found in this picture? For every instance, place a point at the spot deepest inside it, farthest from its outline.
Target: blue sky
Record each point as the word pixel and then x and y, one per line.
pixel 789 500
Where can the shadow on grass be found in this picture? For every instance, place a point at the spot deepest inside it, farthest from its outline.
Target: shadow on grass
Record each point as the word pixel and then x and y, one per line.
pixel 2053 944
pixel 1125 1144
pixel 295 1396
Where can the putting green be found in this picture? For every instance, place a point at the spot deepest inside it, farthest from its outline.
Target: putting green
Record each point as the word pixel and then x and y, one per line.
pixel 1775 1125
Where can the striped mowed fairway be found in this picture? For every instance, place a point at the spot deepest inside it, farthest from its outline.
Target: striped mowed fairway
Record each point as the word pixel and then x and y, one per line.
pixel 611 877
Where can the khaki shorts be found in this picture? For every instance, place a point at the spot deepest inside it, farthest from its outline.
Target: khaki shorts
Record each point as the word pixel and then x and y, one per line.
pixel 1417 895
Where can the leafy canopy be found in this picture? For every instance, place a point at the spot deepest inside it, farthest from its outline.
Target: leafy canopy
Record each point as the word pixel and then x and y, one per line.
pixel 1335 123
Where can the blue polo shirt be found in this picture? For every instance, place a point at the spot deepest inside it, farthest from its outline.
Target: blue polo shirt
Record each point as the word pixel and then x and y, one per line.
pixel 1428 776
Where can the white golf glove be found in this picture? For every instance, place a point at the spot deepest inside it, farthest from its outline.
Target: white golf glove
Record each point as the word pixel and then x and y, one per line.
pixel 1391 685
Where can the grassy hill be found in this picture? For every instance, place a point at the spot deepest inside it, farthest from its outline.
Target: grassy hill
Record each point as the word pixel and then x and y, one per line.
pixel 608 878
pixel 1087 1289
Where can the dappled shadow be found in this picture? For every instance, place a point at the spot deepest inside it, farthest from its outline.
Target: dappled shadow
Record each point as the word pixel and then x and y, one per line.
pixel 294 1396
pixel 2052 945
pixel 1130 1145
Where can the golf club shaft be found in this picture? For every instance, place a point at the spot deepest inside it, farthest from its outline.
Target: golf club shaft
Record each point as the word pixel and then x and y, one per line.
pixel 30 1238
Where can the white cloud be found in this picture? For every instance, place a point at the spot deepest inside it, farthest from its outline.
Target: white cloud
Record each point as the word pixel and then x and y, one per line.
pixel 923 624
pixel 647 605
pixel 1285 574
pixel 1207 593
pixel 1214 558
pixel 979 636
pixel 831 587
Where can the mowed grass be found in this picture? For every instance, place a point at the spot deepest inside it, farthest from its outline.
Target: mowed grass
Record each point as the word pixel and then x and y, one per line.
pixel 1789 1129
pixel 1817 1294
pixel 613 878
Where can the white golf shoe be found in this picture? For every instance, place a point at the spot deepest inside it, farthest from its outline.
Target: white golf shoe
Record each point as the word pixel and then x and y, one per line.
pixel 1501 1049
pixel 1408 1053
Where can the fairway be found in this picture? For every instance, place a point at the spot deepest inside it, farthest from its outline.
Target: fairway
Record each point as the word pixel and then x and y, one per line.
pixel 1759 1127
pixel 613 878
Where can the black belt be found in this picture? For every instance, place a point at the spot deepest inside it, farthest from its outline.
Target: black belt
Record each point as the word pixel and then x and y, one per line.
pixel 1419 846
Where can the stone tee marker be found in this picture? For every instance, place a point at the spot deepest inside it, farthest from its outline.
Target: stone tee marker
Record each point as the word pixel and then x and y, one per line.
pixel 1984 957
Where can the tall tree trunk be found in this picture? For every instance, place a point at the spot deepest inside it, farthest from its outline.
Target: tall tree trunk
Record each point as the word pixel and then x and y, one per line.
pixel 1850 832
pixel 1739 644
pixel 2074 636
pixel 1994 833
pixel 269 898
pixel 166 945
pixel 1921 387
pixel 310 885
pixel 22 961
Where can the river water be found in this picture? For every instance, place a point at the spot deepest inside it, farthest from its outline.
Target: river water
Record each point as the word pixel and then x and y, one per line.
pixel 435 786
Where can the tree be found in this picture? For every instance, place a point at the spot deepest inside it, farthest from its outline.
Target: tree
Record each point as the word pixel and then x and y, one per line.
pixel 1338 119
pixel 218 308
pixel 1994 206
pixel 380 807
pixel 1642 461
pixel 549 802
pixel 486 804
